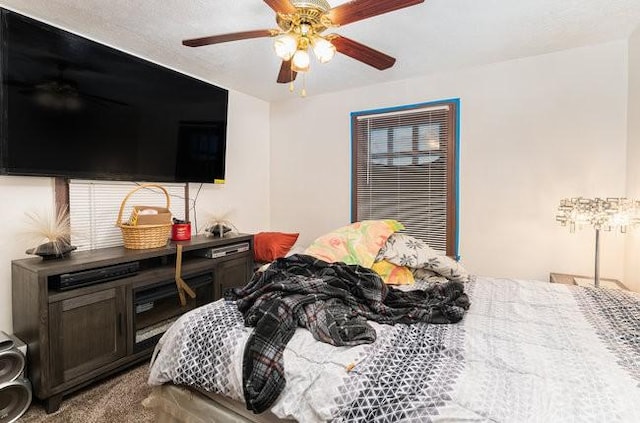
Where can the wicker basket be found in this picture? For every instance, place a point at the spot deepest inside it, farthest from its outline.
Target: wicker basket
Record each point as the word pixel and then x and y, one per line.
pixel 140 237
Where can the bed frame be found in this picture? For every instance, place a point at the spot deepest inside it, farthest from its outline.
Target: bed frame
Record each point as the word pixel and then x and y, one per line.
pixel 181 404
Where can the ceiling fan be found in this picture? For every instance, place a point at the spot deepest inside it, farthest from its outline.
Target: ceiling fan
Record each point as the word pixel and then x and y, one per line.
pixel 301 24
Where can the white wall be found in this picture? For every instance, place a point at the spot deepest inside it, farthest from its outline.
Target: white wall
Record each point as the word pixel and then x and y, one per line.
pixel 533 131
pixel 246 193
pixel 18 195
pixel 632 256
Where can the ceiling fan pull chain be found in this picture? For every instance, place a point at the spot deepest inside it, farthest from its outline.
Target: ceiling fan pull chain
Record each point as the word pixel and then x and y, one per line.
pixel 303 93
pixel 291 79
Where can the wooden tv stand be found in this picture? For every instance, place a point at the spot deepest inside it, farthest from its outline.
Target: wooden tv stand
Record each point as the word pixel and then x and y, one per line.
pixel 78 335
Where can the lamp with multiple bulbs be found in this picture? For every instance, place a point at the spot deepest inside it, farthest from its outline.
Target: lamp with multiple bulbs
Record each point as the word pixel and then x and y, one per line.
pixel 294 46
pixel 600 213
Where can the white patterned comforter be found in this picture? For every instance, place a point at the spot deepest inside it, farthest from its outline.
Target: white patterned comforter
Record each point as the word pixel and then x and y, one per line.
pixel 526 351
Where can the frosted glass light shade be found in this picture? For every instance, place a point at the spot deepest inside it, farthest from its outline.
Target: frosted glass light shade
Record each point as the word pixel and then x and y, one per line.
pixel 300 62
pixel 285 46
pixel 323 50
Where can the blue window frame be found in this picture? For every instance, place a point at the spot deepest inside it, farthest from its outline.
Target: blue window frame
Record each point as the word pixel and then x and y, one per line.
pixel 405 166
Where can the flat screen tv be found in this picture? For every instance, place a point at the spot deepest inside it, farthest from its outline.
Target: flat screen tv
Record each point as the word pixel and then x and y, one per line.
pixel 75 108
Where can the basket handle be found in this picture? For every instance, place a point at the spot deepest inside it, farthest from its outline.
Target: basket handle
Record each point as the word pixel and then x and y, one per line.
pixel 166 194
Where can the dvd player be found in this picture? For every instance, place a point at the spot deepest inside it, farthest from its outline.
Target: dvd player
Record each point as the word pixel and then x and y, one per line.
pixel 89 277
pixel 216 252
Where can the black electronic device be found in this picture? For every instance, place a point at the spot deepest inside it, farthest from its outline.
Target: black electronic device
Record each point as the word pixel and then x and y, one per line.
pixel 225 250
pixel 81 278
pixel 156 307
pixel 75 108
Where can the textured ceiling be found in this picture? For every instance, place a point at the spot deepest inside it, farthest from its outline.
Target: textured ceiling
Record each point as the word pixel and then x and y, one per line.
pixel 435 36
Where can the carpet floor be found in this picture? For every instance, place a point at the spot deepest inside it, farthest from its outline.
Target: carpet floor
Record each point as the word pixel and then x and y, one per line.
pixel 114 400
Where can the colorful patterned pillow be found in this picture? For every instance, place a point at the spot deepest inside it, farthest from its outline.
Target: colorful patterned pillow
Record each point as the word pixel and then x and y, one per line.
pixel 393 274
pixel 405 250
pixel 358 243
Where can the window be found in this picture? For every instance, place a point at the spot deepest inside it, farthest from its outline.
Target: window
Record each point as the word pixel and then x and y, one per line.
pixel 94 207
pixel 405 167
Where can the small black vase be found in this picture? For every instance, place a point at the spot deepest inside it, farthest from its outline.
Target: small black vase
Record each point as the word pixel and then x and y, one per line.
pixel 218 230
pixel 52 250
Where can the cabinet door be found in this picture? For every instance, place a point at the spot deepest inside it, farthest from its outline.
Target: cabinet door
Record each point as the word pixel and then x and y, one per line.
pixel 86 333
pixel 232 273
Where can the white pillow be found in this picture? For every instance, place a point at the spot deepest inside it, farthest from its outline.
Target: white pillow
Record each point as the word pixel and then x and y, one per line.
pixel 405 250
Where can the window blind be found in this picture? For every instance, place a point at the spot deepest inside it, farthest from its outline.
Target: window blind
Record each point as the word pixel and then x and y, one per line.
pixel 403 164
pixel 94 206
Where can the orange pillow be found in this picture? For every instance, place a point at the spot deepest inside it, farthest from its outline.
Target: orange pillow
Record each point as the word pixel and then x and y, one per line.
pixel 268 246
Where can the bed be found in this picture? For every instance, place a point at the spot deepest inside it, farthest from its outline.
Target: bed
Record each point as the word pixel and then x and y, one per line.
pixel 523 351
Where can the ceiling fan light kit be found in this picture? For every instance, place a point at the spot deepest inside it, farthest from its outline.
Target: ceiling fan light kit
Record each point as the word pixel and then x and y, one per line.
pixel 285 46
pixel 301 24
pixel 301 61
pixel 323 49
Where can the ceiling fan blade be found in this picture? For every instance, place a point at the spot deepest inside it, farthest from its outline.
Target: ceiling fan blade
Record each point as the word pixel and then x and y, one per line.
pixel 234 36
pixel 281 6
pixel 357 10
pixel 361 52
pixel 286 74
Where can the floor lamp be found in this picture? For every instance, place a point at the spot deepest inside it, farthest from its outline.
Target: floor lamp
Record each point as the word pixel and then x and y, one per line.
pixel 599 213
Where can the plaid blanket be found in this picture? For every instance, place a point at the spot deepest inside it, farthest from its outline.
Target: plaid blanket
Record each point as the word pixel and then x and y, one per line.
pixel 333 301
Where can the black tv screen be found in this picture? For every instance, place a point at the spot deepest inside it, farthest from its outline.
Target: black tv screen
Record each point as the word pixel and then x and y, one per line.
pixel 75 108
